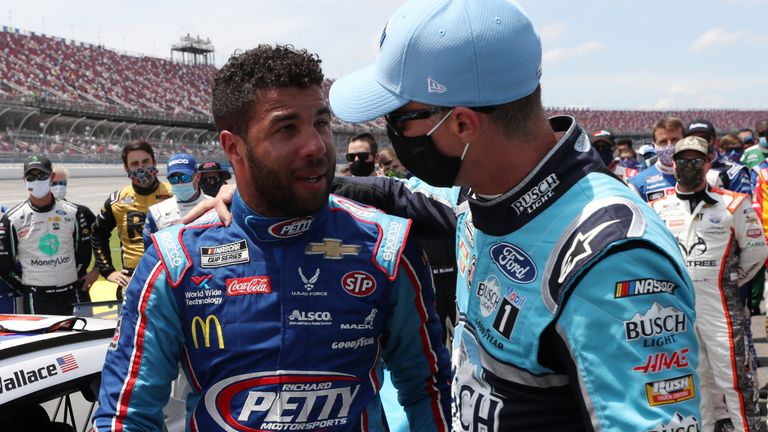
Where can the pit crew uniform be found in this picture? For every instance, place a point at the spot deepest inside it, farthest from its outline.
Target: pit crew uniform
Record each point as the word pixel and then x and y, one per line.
pixel 654 182
pixel 51 245
pixel 281 324
pixel 548 273
pixel 125 209
pixel 735 177
pixel 166 213
pixel 724 245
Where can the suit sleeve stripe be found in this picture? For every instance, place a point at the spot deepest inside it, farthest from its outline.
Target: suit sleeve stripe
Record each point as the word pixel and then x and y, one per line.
pixel 731 349
pixel 429 352
pixel 138 350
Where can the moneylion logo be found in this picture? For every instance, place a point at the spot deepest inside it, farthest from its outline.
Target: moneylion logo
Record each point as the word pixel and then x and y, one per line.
pixel 205 326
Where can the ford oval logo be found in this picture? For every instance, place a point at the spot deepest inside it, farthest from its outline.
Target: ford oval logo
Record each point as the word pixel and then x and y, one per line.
pixel 513 262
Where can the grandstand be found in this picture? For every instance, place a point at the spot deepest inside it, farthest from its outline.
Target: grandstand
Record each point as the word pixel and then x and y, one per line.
pixel 81 102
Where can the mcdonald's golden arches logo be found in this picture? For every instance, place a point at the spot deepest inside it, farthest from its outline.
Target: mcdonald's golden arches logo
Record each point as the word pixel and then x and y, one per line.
pixel 205 326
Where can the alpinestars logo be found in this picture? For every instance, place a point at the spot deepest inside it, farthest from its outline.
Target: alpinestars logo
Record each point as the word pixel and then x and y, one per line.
pixel 580 249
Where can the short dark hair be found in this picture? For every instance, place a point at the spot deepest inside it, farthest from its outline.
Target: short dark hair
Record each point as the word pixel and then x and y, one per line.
pixel 762 128
pixel 625 141
pixel 365 136
pixel 137 145
pixel 264 67
pixel 515 118
pixel 667 123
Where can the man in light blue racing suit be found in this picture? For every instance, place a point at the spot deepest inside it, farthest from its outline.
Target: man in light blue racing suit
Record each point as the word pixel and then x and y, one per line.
pixel 575 309
pixel 285 319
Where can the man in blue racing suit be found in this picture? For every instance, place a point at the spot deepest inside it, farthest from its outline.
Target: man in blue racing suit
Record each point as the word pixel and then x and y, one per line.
pixel 285 319
pixel 575 308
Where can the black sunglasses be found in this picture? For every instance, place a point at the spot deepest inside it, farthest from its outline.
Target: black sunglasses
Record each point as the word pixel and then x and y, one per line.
pixel 59 183
pixel 362 155
pixel 38 176
pixel 395 121
pixel 696 163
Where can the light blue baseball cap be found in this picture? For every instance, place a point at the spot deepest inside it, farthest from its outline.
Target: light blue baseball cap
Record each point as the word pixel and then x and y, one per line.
pixel 470 53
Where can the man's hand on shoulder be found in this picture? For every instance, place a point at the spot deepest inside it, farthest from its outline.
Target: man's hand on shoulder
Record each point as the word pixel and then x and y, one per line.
pixel 220 203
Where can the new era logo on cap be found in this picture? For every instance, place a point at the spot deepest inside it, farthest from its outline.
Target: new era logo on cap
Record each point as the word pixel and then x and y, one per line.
pixel 435 87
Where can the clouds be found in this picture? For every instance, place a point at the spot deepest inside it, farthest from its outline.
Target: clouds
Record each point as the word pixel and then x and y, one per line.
pixel 716 37
pixel 557 55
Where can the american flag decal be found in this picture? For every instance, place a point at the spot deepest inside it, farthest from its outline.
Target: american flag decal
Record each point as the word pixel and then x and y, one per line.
pixel 67 363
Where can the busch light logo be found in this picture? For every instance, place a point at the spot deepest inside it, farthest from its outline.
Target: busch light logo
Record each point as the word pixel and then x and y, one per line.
pixel 284 400
pixel 513 262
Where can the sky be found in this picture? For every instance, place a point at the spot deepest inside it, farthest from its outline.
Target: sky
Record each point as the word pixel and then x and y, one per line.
pixel 600 54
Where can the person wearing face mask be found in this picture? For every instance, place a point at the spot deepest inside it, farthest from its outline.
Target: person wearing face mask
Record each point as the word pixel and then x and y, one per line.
pixel 126 209
pixel 723 172
pixel 602 140
pixel 49 240
pixel 724 246
pixel 59 181
pixel 732 148
pixel 362 155
pixel 659 179
pixel 185 185
pixel 556 259
pixel 754 154
pixel 213 177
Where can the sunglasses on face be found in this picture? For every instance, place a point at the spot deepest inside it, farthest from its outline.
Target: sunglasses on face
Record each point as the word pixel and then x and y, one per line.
pixel 39 176
pixel 179 178
pixel 396 121
pixel 696 163
pixel 59 183
pixel 362 155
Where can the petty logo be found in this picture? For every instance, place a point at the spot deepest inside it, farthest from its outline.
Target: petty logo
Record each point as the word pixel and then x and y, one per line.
pixel 291 227
pixel 283 400
pixel 49 244
pixel 513 262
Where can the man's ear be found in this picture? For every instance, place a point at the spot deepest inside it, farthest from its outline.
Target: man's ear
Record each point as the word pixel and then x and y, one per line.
pixel 466 124
pixel 231 144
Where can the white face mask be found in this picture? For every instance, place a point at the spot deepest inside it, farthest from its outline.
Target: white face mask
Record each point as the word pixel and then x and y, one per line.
pixel 59 191
pixel 39 188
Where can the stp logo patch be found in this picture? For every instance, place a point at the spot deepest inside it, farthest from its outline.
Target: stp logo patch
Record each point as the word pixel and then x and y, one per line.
pixel 358 283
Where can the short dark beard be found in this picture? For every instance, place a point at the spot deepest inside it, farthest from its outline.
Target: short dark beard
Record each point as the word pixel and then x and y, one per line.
pixel 274 189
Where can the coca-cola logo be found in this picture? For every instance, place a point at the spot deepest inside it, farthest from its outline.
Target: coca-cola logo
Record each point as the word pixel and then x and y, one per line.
pixel 249 285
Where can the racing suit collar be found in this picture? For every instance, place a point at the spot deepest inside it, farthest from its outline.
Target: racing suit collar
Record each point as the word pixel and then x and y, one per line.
pixel 271 229
pixel 694 198
pixel 665 169
pixel 571 159
pixel 43 209
pixel 146 190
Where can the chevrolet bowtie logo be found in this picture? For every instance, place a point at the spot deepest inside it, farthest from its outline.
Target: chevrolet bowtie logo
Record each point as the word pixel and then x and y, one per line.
pixel 332 249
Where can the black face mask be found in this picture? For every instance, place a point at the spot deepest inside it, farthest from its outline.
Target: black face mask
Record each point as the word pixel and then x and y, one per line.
pixel 606 154
pixel 361 168
pixel 689 177
pixel 211 186
pixel 421 158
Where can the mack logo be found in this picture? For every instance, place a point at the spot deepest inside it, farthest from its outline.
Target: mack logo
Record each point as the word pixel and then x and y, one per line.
pixel 679 424
pixel 669 391
pixel 205 327
pixel 358 283
pixel 224 255
pixel 291 227
pixel 537 195
pixel 662 361
pixel 643 286
pixel 513 262
pixel 367 323
pixel 389 250
pixel 656 321
pixel 332 249
pixel 283 400
pixel 298 317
